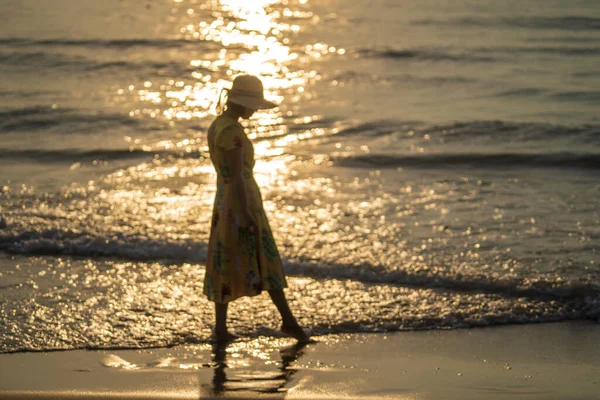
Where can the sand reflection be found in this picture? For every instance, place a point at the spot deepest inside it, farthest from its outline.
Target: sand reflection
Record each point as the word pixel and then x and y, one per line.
pixel 238 380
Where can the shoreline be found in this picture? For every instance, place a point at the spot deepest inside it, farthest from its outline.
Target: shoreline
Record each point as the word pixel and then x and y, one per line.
pixel 533 361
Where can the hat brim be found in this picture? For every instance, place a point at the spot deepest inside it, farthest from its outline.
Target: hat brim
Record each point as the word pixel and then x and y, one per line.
pixel 255 103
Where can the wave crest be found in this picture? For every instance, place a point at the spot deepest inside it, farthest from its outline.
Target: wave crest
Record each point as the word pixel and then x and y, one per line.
pixel 64 242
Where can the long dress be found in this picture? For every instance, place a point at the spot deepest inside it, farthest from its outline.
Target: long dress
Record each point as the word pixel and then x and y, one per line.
pixel 239 263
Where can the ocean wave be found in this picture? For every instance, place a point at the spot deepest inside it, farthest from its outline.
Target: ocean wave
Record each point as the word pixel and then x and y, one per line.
pixel 522 92
pixel 563 51
pixel 480 54
pixel 515 130
pixel 74 155
pixel 67 119
pixel 558 50
pixel 587 96
pixel 423 55
pixel 568 23
pixel 492 130
pixel 101 43
pixel 376 128
pixel 490 160
pixel 67 243
pixel 586 74
pixel 564 39
pixel 27 93
pixel 81 63
pixel 354 76
pixel 506 286
pixel 41 59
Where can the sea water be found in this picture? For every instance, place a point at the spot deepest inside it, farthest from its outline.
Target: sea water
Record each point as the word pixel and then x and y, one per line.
pixel 431 164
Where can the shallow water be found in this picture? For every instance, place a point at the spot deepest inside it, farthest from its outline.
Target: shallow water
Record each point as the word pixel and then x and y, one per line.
pixel 430 165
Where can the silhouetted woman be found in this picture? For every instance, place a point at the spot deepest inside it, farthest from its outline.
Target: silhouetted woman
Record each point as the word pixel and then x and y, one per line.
pixel 242 259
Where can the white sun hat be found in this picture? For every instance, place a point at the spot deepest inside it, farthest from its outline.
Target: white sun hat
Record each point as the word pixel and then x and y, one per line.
pixel 248 91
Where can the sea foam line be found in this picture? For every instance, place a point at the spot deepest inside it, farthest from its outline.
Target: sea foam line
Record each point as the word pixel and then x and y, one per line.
pixel 57 242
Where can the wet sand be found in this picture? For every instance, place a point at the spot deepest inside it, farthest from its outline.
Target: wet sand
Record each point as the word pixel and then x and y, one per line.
pixel 534 361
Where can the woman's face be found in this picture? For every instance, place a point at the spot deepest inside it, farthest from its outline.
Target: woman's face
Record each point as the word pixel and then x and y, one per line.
pixel 248 112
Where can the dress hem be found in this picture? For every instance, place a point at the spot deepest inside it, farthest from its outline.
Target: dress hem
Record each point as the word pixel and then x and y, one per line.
pixel 211 298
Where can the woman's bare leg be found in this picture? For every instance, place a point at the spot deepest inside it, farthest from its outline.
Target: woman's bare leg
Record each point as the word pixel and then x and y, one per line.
pixel 289 324
pixel 222 336
pixel 221 322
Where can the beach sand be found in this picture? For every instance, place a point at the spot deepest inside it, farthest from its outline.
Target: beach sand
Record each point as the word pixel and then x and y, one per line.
pixel 534 361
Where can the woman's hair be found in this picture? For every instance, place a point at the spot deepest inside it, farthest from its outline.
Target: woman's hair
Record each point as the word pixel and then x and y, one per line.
pixel 220 108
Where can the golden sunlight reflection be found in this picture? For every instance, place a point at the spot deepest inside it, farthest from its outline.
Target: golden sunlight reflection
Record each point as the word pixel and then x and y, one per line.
pixel 236 37
pixel 266 173
pixel 252 37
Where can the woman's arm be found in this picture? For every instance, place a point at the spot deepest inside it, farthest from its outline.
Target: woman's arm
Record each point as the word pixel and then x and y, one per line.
pixel 235 160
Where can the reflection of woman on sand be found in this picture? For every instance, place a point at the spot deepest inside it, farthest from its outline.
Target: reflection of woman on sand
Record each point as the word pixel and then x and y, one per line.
pixel 242 256
pixel 266 382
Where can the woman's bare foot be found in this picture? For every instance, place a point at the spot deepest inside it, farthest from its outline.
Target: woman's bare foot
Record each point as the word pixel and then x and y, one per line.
pixel 296 332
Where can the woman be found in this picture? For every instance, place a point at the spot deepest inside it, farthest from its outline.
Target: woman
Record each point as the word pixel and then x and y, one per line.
pixel 242 256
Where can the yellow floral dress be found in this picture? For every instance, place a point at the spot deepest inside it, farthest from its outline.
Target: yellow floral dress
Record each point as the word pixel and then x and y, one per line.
pixel 239 263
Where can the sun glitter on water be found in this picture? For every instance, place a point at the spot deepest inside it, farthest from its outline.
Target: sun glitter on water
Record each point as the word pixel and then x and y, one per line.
pixel 241 37
pixel 251 38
